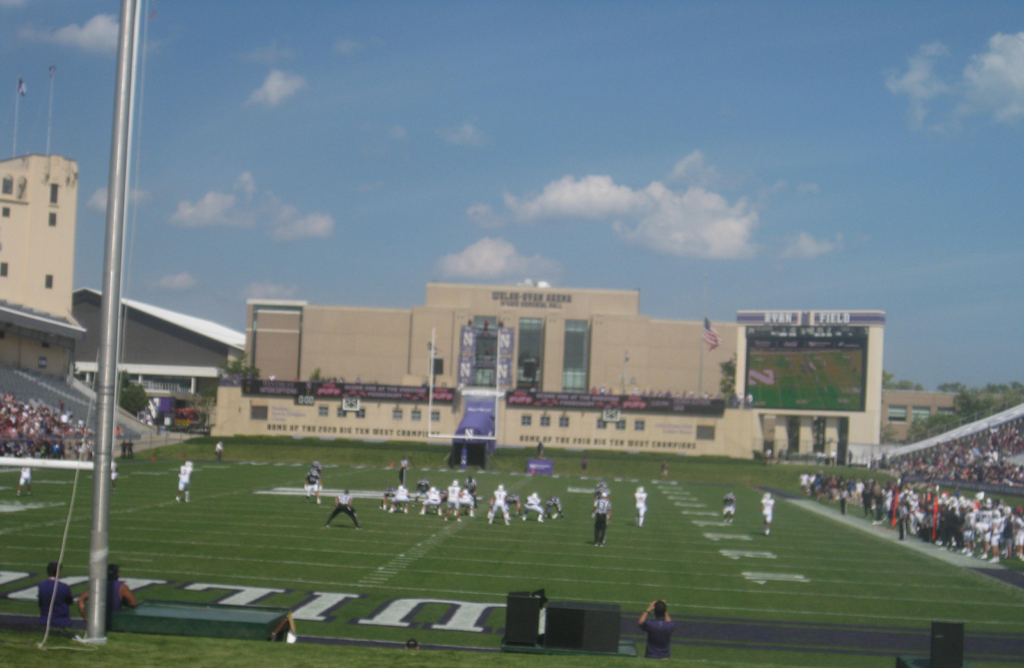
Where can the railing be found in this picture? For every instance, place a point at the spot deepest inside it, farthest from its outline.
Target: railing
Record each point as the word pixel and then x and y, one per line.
pixel 157 386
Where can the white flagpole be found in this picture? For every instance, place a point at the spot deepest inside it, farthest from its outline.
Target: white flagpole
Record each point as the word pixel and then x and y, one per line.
pixel 49 118
pixel 703 324
pixel 17 96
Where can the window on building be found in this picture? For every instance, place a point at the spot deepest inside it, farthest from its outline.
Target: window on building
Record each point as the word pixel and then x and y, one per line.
pixel 3 268
pixel 49 281
pixel 340 412
pixel 601 424
pixel 54 188
pixel 435 416
pixel 638 425
pixel 897 413
pixel 322 411
pixel 361 413
pixel 485 355
pixel 258 412
pixel 53 219
pixel 8 188
pixel 416 415
pixel 563 421
pixel 525 420
pixel 621 425
pixel 531 352
pixel 396 414
pixel 920 413
pixel 943 410
pixel 44 344
pixel 576 356
pixel 7 212
pixel 705 433
pixel 42 361
pixel 545 420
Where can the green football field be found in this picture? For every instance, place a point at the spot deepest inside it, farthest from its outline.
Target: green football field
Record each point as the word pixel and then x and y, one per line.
pixel 814 592
pixel 825 380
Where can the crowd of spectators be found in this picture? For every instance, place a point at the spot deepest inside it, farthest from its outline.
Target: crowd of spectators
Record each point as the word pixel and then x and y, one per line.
pixel 980 457
pixel 33 429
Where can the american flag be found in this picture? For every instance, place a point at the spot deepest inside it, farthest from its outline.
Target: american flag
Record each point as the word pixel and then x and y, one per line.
pixel 711 335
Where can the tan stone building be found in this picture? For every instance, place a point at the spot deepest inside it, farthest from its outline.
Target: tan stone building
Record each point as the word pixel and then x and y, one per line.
pixel 572 368
pixel 901 408
pixel 38 204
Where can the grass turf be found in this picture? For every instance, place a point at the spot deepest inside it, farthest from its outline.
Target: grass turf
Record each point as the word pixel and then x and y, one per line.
pixel 230 536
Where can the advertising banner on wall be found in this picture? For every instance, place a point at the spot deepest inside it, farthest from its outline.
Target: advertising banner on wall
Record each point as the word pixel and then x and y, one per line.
pixel 624 403
pixel 309 392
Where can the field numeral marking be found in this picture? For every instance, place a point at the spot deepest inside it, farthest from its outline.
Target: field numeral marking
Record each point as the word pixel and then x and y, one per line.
pixel 726 536
pixel 743 554
pixel 761 578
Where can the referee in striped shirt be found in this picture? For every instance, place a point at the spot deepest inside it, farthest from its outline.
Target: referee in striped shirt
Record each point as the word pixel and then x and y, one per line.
pixel 602 515
pixel 343 504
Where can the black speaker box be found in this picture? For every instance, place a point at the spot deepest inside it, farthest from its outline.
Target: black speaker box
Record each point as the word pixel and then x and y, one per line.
pixel 591 627
pixel 947 645
pixel 522 618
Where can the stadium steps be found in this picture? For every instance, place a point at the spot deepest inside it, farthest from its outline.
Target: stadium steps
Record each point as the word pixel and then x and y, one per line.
pixel 991 422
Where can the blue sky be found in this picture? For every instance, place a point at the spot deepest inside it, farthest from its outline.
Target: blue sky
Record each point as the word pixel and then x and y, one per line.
pixel 804 155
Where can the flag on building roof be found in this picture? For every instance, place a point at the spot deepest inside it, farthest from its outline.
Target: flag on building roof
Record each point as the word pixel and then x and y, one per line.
pixel 21 86
pixel 711 335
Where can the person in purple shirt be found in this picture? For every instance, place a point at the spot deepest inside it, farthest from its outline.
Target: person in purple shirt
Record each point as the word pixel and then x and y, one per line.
pixel 60 592
pixel 118 595
pixel 659 630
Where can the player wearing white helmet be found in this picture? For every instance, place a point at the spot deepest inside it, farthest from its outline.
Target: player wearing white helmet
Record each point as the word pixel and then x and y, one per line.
pixel 184 481
pixel 466 502
pixel 454 492
pixel 641 505
pixel 533 503
pixel 498 503
pixel 400 500
pixel 767 506
pixel 314 483
pixel 433 501
pixel 25 480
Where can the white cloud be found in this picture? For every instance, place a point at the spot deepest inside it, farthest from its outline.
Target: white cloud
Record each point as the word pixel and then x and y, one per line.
pixel 13 3
pixel 277 87
pixel 466 134
pixel 804 246
pixel 493 259
pixel 347 47
pixel 992 84
pixel 182 281
pixel 994 80
pixel 269 55
pixel 691 223
pixel 283 221
pixel 691 170
pixel 98 34
pixel 98 200
pixel 268 290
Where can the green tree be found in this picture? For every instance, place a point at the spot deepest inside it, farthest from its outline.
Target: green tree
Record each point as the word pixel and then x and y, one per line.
pixel 239 366
pixel 316 375
pixel 889 382
pixel 952 387
pixel 133 397
pixel 205 402
pixel 728 382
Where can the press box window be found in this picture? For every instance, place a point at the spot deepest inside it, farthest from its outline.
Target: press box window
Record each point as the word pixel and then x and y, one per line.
pixel 525 420
pixel 49 281
pixel 705 433
pixel 257 412
pixel 897 413
pixel 53 219
pixel 563 421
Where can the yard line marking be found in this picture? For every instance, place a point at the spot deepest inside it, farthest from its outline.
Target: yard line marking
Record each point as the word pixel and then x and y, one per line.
pixel 761 578
pixel 726 536
pixel 741 554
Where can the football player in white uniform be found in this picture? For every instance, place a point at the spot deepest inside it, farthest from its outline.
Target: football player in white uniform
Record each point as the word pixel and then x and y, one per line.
pixel 314 483
pixel 113 475
pixel 641 505
pixel 533 503
pixel 553 508
pixel 433 501
pixel 454 492
pixel 729 507
pixel 767 505
pixel 25 480
pixel 184 481
pixel 466 501
pixel 498 503
pixel 400 500
pixel 1018 527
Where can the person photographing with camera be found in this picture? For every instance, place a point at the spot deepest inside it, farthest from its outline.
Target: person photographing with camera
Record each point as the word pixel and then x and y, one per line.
pixel 659 630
